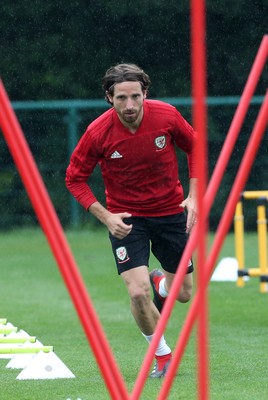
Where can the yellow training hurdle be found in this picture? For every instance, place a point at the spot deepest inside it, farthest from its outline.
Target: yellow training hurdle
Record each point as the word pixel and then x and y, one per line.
pixel 261 196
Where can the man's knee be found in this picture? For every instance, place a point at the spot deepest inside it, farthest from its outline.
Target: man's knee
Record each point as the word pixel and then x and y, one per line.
pixel 185 295
pixel 186 290
pixel 140 295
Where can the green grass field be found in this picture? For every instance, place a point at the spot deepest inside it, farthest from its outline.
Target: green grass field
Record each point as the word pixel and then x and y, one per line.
pixel 34 298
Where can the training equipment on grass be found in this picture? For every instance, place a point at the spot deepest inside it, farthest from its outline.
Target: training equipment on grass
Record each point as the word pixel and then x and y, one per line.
pixel 25 350
pixel 27 353
pixel 21 360
pixel 261 271
pixel 226 270
pixel 7 328
pixel 45 366
pixel 15 339
pixel 89 320
pixel 6 339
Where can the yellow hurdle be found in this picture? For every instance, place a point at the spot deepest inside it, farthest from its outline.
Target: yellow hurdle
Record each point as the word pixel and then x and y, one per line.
pixel 255 194
pixel 262 271
pixel 239 242
pixel 262 234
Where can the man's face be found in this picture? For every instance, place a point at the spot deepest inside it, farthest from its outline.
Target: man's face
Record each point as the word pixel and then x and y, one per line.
pixel 128 102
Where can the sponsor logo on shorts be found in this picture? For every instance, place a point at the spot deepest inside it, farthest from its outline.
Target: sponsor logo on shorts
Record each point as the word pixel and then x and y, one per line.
pixel 121 254
pixel 160 142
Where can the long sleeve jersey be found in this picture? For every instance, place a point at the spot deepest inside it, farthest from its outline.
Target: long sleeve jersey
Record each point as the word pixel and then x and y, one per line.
pixel 140 170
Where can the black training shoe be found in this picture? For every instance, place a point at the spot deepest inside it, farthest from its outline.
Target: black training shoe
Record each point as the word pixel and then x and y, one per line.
pixel 155 277
pixel 160 374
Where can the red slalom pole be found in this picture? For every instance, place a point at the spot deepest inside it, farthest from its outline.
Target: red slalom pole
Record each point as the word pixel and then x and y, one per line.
pixel 49 221
pixel 199 87
pixel 212 189
pixel 221 233
pixel 237 121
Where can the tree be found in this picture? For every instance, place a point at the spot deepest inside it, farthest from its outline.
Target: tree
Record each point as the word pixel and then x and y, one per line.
pixel 50 50
pixel 58 50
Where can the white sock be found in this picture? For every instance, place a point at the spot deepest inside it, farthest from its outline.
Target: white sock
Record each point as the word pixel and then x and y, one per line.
pixel 162 348
pixel 162 288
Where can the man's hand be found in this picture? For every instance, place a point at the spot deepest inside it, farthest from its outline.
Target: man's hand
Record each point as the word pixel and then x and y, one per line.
pixel 114 222
pixel 190 203
pixel 116 225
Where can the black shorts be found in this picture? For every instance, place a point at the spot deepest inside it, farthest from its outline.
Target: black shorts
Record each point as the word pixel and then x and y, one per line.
pixel 166 236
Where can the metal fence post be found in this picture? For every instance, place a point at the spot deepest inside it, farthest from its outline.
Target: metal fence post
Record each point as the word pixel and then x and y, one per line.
pixel 72 120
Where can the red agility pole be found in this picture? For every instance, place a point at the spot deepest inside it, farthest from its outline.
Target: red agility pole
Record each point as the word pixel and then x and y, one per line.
pixel 199 88
pixel 238 120
pixel 49 221
pixel 113 391
pixel 212 189
pixel 222 231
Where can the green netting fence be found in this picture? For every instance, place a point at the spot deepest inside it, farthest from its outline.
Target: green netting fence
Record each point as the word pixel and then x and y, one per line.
pixel 52 129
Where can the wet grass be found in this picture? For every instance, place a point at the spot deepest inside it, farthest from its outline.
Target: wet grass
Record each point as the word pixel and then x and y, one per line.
pixel 34 298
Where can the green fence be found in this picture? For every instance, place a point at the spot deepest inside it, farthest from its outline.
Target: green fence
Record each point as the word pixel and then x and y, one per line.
pixel 52 129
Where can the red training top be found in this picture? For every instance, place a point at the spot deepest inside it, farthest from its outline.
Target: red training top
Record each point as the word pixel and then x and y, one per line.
pixel 140 170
